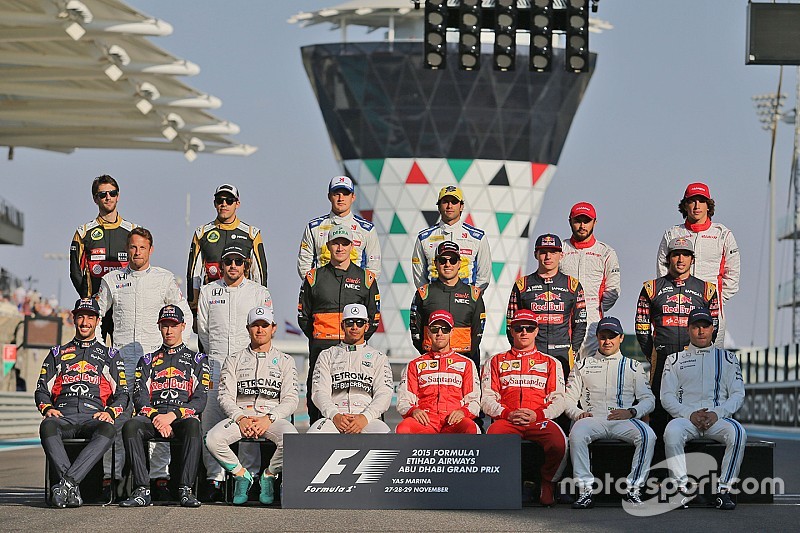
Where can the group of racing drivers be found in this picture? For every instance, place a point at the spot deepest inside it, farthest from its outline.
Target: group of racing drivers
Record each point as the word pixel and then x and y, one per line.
pixel 240 386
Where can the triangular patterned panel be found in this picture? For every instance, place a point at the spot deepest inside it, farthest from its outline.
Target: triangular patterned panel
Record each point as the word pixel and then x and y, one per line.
pixel 381 329
pixel 375 167
pixel 431 217
pixel 416 175
pixel 367 214
pixel 502 220
pixel 501 178
pixel 469 220
pixel 459 167
pixel 527 230
pixel 397 226
pixel 502 327
pixel 399 275
pixel 406 314
pixel 497 269
pixel 537 169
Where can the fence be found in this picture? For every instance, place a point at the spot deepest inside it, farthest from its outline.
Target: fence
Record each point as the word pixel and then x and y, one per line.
pixel 776 364
pixel 18 415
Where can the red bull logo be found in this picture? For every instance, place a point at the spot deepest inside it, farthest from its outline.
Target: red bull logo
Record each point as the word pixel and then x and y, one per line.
pixel 679 299
pixel 81 367
pixel 547 296
pixel 81 371
pixel 170 372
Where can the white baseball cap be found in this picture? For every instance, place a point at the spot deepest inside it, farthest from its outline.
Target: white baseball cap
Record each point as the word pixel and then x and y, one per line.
pixel 261 312
pixel 355 311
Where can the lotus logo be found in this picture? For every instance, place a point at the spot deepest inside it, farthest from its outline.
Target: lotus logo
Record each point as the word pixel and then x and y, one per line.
pixel 79 388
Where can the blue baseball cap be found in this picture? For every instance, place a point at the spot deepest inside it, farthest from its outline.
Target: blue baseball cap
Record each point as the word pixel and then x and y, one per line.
pixel 86 306
pixel 700 313
pixel 611 324
pixel 548 240
pixel 170 313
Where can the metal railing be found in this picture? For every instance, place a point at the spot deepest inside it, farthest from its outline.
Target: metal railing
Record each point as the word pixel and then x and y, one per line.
pixel 18 415
pixel 770 365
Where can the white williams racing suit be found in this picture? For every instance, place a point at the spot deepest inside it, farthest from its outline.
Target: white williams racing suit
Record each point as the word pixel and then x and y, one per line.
pixel 352 379
pixel 596 266
pixel 601 384
pixel 222 330
pixel 699 378
pixel 254 384
pixel 137 296
pixel 476 257
pixel 314 251
pixel 716 260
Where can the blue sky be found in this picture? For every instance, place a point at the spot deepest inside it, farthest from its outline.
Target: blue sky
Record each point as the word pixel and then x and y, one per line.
pixel 670 103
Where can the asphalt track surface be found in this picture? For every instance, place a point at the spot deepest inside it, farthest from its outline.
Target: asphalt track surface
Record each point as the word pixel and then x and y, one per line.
pixel 22 508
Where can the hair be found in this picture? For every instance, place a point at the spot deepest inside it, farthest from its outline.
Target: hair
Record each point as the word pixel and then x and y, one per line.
pixel 141 232
pixel 105 179
pixel 685 214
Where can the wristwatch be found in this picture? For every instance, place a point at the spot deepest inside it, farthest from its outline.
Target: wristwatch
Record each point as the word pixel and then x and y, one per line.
pixel 632 411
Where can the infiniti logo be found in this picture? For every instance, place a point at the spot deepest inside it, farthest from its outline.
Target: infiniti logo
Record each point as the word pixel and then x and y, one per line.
pixel 80 388
pixel 169 394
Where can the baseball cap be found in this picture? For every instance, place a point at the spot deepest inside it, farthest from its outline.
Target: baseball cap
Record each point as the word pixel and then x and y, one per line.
pixel 583 208
pixel 548 240
pixel 340 182
pixel 680 243
pixel 441 316
pixel 524 315
pixel 261 313
pixel 697 189
pixel 358 311
pixel 233 249
pixel 170 313
pixel 451 190
pixel 227 188
pixel 340 231
pixel 700 313
pixel 448 247
pixel 86 305
pixel 611 324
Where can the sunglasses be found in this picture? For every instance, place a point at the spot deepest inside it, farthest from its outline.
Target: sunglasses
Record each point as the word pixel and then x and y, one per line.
pixel 102 194
pixel 526 329
pixel 437 329
pixel 219 200
pixel 238 261
pixel 448 259
pixel 350 322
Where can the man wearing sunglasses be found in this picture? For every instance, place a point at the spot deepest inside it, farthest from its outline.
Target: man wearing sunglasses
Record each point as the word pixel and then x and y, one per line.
pixel 595 265
pixel 314 251
pixel 325 293
pixel 716 254
pixel 439 391
pixel 205 252
pixel 614 394
pixel 222 310
pixel 523 391
pixel 476 257
pixel 556 299
pixel 353 383
pixel 662 314
pixel 100 246
pixel 448 292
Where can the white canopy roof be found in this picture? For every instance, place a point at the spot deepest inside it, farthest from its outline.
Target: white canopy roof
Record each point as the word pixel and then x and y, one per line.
pixel 83 74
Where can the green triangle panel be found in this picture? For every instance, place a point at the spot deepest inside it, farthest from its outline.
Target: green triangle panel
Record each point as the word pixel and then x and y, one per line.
pixel 459 167
pixel 397 226
pixel 497 268
pixel 375 166
pixel 503 219
pixel 406 314
pixel 502 331
pixel 399 275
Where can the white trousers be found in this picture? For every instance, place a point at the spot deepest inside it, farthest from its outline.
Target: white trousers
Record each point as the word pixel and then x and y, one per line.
pixel 249 452
pixel 326 425
pixel 219 439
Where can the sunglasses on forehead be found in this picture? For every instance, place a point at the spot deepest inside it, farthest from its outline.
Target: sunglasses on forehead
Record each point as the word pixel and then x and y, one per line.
pixel 101 195
pixel 219 200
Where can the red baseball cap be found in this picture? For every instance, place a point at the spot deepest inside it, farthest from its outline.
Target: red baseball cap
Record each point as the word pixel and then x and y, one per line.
pixel 697 189
pixel 583 208
pixel 525 315
pixel 441 316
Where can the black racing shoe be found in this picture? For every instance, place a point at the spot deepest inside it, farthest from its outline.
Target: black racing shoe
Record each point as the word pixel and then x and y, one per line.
pixel 584 501
pixel 723 501
pixel 74 498
pixel 212 492
pixel 140 497
pixel 161 491
pixel 186 498
pixel 59 495
pixel 633 497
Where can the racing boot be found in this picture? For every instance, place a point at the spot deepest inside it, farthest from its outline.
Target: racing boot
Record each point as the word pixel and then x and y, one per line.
pixel 585 500
pixel 59 494
pixel 186 498
pixel 633 497
pixel 241 488
pixel 723 501
pixel 74 498
pixel 267 495
pixel 212 492
pixel 140 497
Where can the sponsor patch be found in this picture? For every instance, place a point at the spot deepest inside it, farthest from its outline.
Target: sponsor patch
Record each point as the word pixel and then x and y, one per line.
pixel 213 236
pixel 96 234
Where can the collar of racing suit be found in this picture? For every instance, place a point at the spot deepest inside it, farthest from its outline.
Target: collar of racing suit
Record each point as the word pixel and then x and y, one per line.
pixel 83 344
pixel 109 225
pixel 339 218
pixel 439 355
pixel 522 353
pixel 697 228
pixel 580 245
pixel 175 349
pixel 138 273
pixel 232 225
pixel 615 355
pixel 450 228
pixel 353 347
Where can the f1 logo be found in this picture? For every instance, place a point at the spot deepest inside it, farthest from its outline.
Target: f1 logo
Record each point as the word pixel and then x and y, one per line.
pixel 371 467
